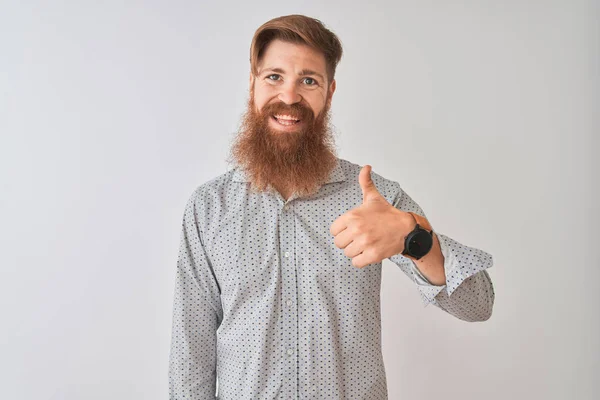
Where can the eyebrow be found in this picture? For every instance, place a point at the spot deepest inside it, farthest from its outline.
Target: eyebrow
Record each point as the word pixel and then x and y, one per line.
pixel 304 72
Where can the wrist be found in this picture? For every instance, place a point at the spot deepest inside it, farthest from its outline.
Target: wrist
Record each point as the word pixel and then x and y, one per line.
pixel 418 242
pixel 410 223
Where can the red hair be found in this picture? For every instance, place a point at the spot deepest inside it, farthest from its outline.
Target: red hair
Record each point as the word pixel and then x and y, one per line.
pixel 298 29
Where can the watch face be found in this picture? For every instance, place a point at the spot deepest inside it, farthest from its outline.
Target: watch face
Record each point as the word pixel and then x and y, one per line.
pixel 420 243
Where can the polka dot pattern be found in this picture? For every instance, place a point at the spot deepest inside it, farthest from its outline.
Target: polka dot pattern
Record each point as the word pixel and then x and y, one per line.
pixel 465 273
pixel 266 302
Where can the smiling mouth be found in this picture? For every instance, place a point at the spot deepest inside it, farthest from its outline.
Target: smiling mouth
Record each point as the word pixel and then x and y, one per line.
pixel 286 121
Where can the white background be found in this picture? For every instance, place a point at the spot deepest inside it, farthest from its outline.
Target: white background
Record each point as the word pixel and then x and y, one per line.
pixel 111 114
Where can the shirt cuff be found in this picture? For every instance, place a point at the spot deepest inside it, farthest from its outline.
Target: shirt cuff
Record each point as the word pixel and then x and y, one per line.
pixel 427 290
pixel 460 262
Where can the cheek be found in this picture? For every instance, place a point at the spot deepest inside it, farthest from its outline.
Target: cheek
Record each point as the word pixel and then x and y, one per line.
pixel 260 100
pixel 317 107
pixel 316 102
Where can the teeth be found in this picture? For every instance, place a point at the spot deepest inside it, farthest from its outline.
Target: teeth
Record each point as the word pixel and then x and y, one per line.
pixel 286 122
pixel 286 117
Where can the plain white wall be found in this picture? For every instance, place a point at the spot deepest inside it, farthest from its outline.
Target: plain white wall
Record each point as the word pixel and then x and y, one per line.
pixel 111 114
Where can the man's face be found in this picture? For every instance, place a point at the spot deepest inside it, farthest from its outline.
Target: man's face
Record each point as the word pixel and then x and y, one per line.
pixel 285 139
pixel 295 75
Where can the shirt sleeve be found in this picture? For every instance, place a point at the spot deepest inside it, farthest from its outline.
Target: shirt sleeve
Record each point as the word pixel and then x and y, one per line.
pixel 197 314
pixel 468 293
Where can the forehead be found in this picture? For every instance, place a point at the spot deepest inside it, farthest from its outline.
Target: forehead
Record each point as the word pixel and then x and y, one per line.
pixel 280 54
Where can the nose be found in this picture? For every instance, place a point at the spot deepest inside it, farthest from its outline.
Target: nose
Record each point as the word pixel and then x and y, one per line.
pixel 289 94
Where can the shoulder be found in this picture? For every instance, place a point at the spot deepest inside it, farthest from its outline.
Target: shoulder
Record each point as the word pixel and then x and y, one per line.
pixel 212 190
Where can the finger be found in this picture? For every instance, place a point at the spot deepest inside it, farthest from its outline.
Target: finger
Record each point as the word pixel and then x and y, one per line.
pixel 353 249
pixel 361 260
pixel 369 190
pixel 339 225
pixel 343 239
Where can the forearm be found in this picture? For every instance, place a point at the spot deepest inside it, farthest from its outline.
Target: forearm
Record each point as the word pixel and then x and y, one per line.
pixel 472 301
pixel 431 265
pixel 467 293
pixel 452 275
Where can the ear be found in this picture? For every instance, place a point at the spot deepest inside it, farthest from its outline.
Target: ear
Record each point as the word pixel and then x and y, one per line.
pixel 251 82
pixel 331 90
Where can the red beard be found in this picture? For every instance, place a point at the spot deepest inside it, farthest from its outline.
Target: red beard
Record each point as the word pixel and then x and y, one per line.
pixel 298 160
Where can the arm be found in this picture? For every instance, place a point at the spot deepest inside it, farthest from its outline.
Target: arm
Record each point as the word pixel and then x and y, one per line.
pixel 197 314
pixel 467 293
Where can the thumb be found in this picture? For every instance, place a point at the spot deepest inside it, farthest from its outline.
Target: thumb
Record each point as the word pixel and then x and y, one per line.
pixel 366 184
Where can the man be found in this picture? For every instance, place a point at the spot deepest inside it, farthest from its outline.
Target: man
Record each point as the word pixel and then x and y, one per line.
pixel 279 270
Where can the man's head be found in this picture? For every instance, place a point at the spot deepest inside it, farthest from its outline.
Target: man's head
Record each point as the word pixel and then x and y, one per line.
pixel 285 140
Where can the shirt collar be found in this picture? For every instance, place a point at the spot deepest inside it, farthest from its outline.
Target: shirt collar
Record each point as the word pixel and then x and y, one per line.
pixel 336 175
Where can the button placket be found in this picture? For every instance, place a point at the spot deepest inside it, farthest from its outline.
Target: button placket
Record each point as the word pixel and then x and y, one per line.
pixel 289 318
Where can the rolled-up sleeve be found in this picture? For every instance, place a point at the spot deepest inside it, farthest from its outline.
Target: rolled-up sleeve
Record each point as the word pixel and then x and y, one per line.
pixel 197 314
pixel 468 293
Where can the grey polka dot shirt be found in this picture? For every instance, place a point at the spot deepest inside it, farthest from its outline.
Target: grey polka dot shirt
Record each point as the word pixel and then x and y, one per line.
pixel 266 302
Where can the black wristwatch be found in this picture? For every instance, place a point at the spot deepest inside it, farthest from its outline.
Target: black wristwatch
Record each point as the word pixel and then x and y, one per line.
pixel 420 241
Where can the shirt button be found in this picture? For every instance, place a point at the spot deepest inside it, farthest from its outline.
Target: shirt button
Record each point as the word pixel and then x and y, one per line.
pixel 287 254
pixel 289 302
pixel 290 352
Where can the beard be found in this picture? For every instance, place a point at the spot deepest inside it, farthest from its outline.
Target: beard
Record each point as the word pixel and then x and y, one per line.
pixel 298 159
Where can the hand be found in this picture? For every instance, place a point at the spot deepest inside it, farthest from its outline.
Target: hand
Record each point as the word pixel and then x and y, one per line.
pixel 373 231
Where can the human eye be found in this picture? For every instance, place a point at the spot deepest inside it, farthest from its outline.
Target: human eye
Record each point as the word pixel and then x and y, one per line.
pixel 268 77
pixel 314 81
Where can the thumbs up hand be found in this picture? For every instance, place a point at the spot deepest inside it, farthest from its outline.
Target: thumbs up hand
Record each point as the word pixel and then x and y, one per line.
pixel 373 231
